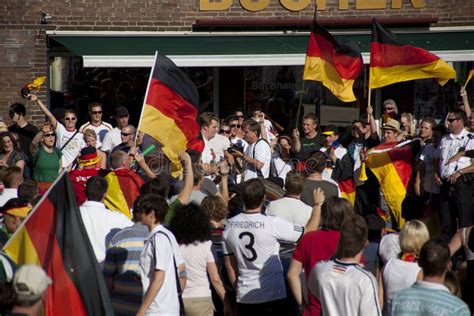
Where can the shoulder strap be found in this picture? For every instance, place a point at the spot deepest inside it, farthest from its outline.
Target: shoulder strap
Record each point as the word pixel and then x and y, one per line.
pixel 259 172
pixel 73 135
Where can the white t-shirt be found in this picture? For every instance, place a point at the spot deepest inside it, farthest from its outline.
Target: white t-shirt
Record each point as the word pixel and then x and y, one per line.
pixel 280 168
pixel 101 225
pixel 344 289
pixel 398 275
pixel 197 256
pixel 263 153
pixel 99 130
pixel 291 210
pixel 254 241
pixel 206 156
pixel 8 194
pixel 111 139
pixel 158 255
pixel 218 144
pixel 196 196
pixel 448 147
pixel 73 148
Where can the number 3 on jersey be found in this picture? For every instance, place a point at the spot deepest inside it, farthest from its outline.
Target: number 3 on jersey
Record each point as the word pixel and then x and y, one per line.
pixel 249 245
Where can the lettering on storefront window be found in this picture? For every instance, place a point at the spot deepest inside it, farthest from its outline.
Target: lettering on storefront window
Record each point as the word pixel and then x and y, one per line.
pixel 298 5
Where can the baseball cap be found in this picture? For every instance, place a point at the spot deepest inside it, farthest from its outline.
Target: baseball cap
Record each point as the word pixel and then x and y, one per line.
pixel 329 130
pixel 30 282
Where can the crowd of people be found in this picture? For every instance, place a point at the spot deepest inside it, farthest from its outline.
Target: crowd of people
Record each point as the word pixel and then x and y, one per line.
pixel 258 223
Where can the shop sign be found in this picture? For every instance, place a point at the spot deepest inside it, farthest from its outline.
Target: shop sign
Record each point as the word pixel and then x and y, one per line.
pixel 298 5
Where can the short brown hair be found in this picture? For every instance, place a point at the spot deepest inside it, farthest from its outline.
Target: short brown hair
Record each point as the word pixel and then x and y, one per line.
pixel 153 203
pixel 206 118
pixel 254 126
pixel 434 257
pixel 214 207
pixel 94 104
pixel 334 211
pixel 316 163
pixel 253 193
pixel 294 183
pixel 311 116
pixel 354 233
pixel 13 177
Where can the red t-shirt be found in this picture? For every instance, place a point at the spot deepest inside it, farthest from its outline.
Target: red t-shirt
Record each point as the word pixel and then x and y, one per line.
pixel 79 178
pixel 314 247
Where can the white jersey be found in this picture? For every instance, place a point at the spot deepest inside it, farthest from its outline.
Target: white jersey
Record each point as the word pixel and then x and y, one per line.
pixel 100 130
pixel 344 289
pixel 262 153
pixel 253 239
pixel 73 147
pixel 111 139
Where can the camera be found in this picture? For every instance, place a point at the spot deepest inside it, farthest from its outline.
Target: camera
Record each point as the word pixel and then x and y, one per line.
pixel 235 147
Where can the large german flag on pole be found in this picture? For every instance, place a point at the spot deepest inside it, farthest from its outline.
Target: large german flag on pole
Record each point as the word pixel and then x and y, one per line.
pixel 392 61
pixel 169 114
pixel 54 237
pixel 335 64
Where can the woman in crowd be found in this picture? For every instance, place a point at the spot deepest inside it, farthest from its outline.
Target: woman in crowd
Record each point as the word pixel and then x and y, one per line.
pixel 408 125
pixel 317 246
pixel 282 155
pixel 10 155
pixel 193 233
pixel 46 158
pixel 402 272
pixel 90 137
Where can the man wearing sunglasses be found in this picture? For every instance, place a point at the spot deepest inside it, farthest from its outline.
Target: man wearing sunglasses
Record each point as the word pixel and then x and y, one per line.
pixel 68 139
pixel 96 124
pixel 454 177
pixel 25 130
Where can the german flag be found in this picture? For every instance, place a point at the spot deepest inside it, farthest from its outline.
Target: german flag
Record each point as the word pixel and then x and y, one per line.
pixel 469 76
pixel 54 237
pixel 123 190
pixel 169 115
pixel 335 64
pixel 347 187
pixel 392 61
pixel 391 165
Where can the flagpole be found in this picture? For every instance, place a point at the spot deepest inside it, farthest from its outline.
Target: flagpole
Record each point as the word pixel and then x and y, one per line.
pixel 146 93
pixel 299 104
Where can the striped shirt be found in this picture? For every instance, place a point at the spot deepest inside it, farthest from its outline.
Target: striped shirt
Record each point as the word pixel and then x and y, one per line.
pixel 122 264
pixel 427 298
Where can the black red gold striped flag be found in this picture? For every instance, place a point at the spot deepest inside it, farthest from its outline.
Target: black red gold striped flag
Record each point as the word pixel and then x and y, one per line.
pixel 392 61
pixel 54 237
pixel 335 64
pixel 123 190
pixel 169 114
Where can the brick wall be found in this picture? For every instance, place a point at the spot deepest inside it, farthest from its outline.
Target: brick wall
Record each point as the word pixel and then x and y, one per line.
pixel 168 15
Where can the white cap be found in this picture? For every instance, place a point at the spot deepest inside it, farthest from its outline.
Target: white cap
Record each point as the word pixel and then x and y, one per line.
pixel 30 282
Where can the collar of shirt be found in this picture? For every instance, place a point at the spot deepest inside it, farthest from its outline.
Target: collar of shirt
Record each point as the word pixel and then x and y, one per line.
pixel 461 135
pixel 431 286
pixel 94 204
pixel 154 230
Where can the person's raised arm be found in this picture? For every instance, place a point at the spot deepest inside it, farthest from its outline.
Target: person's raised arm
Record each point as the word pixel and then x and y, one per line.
pixel 35 143
pixel 465 101
pixel 185 193
pixel 373 124
pixel 296 141
pixel 224 188
pixel 314 220
pixel 44 109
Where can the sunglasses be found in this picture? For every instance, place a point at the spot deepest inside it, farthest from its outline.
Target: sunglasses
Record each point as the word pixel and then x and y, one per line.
pixel 227 131
pixel 126 134
pixel 235 125
pixel 97 112
pixel 239 116
pixel 388 109
pixel 49 135
pixel 452 120
pixel 69 118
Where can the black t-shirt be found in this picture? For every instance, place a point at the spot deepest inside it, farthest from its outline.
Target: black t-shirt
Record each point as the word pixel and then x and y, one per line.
pixel 26 135
pixel 310 145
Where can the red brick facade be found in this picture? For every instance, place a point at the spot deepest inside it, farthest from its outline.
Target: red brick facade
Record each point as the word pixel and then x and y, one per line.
pixel 168 15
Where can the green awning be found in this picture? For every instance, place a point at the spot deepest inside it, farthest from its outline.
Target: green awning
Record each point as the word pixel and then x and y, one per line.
pixel 233 49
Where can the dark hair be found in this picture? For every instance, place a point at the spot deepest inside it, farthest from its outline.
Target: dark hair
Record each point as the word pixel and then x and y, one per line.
pixel 158 185
pixel 294 183
pixel 434 257
pixel 354 233
pixel 361 121
pixel 28 190
pixel 430 120
pixel 194 155
pixel 95 188
pixel 197 174
pixel 460 114
pixel 440 129
pixel 214 207
pixel 316 162
pixel 153 203
pixel 7 297
pixel 93 105
pixel 13 176
pixel 334 211
pixel 18 108
pixel 231 118
pixel 311 116
pixel 253 193
pixel 70 111
pixel 253 126
pixel 12 138
pixel 190 224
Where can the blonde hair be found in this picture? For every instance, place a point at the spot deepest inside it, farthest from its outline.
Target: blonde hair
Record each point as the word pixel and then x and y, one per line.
pixel 413 236
pixel 89 132
pixel 411 123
